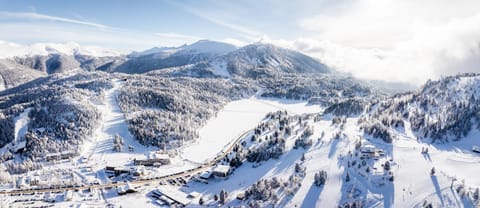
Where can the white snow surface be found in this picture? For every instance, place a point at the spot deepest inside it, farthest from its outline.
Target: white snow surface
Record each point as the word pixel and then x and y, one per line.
pixel 453 161
pixel 21 124
pixel 207 46
pixel 99 149
pixel 412 185
pixel 234 119
pixel 201 46
pixel 220 68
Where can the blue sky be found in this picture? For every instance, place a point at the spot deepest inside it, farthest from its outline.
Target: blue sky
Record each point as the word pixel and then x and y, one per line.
pixel 155 22
pixel 394 40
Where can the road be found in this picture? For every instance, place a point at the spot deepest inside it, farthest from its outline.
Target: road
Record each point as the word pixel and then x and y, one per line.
pixel 201 168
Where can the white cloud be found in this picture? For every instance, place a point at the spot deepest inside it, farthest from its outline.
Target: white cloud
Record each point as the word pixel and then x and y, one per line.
pixel 245 32
pixel 8 49
pixel 123 40
pixel 408 41
pixel 178 36
pixel 373 23
pixel 37 16
pixel 175 39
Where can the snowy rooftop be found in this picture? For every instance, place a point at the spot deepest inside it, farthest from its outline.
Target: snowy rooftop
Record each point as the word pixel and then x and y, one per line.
pixel 174 194
pixel 155 155
pixel 66 152
pixel 368 148
pixel 206 175
pixel 221 169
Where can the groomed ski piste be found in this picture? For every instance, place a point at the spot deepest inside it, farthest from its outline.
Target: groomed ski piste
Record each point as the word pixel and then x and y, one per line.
pixel 99 148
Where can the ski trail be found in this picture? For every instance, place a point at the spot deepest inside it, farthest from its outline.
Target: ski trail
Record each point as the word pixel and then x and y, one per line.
pixel 113 122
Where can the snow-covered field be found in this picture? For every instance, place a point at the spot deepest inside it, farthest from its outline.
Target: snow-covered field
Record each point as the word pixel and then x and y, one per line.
pixel 234 119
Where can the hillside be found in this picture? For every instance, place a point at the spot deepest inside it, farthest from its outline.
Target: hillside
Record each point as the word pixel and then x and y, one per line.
pixel 200 59
pixel 440 111
pixel 160 58
pixel 62 110
pixel 13 74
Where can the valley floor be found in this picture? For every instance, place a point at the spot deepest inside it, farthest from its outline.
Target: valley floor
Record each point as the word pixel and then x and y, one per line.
pixel 236 118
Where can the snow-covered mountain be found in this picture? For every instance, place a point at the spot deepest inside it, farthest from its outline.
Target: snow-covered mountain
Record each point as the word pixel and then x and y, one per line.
pixel 201 46
pixel 13 74
pixel 201 59
pixel 443 110
pixel 22 63
pixel 260 58
pixel 166 57
pixel 155 50
pixel 256 60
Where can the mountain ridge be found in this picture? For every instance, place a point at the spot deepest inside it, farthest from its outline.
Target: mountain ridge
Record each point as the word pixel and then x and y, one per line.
pixel 202 58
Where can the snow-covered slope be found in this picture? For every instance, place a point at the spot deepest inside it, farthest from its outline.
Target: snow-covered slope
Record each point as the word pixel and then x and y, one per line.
pixel 441 110
pixel 207 46
pixel 270 57
pixel 99 147
pixel 22 63
pixel 257 60
pixel 155 50
pixel 167 57
pixel 419 173
pixel 201 59
pixel 202 46
pixel 13 74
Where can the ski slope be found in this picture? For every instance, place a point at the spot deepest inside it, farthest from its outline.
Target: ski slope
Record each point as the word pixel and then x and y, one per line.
pixel 99 149
pixel 21 124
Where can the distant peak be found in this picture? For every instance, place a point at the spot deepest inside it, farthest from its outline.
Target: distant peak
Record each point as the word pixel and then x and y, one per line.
pixel 209 46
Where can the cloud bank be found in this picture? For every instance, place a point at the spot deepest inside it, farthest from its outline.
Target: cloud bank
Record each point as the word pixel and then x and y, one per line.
pixel 402 41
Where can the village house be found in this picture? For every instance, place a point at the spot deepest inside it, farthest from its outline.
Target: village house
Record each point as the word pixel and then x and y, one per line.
pixel 154 159
pixel 369 151
pixel 476 149
pixel 221 171
pixel 172 196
